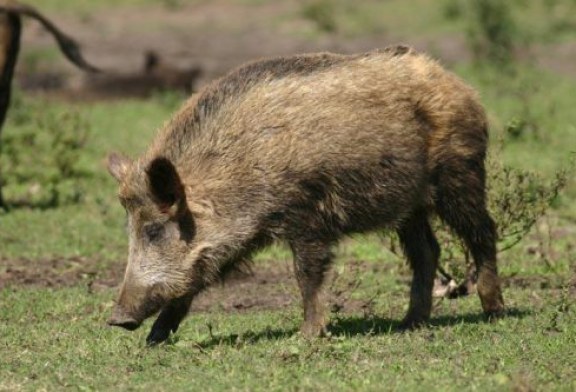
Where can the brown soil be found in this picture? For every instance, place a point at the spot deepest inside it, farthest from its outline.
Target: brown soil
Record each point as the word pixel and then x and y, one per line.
pixel 57 273
pixel 267 288
pixel 270 286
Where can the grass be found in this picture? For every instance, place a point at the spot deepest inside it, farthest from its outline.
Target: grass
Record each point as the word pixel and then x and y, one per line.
pixel 55 338
pixel 94 227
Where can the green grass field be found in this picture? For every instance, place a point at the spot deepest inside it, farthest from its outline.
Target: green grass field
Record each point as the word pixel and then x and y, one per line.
pixel 56 338
pixel 65 234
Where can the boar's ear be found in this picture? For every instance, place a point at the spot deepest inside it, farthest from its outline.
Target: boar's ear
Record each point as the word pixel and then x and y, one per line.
pixel 165 185
pixel 118 165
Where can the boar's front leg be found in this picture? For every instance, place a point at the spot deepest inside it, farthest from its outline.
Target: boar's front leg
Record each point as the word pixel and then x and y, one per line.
pixel 311 262
pixel 168 320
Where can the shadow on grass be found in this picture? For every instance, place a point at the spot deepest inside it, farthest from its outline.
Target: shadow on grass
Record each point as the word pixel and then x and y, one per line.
pixel 353 326
pixel 374 325
pixel 247 338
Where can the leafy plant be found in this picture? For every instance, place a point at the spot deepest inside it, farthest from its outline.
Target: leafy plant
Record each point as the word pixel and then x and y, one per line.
pixel 561 14
pixel 322 13
pixel 492 31
pixel 39 164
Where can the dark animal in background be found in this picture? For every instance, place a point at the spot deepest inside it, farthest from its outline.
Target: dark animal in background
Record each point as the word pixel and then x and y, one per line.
pixel 306 149
pixel 156 75
pixel 11 13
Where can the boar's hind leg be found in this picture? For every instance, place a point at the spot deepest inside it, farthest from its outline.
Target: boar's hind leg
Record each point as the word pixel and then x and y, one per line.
pixel 422 251
pixel 168 320
pixel 311 262
pixel 461 204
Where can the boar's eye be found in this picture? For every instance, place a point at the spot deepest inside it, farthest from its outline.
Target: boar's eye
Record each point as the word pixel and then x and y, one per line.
pixel 154 231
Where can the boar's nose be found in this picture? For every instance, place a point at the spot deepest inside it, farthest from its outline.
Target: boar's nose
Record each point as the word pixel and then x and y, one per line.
pixel 120 318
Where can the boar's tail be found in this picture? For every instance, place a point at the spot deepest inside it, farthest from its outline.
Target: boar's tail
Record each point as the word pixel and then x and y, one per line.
pixel 67 44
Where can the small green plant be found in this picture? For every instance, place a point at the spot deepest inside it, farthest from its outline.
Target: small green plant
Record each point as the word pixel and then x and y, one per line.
pixel 561 14
pixel 322 13
pixel 169 99
pixel 492 31
pixel 526 123
pixel 39 163
pixel 172 4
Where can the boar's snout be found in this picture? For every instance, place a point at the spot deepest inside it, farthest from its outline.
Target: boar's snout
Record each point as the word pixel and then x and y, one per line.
pixel 122 319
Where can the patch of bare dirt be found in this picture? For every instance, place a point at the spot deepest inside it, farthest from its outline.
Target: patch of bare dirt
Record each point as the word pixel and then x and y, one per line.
pixel 57 272
pixel 269 286
pixel 559 58
pixel 272 287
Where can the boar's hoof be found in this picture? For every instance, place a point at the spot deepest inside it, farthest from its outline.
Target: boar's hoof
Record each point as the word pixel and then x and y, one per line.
pixel 410 324
pixel 493 307
pixel 157 336
pixel 495 315
pixel 311 331
pixel 161 329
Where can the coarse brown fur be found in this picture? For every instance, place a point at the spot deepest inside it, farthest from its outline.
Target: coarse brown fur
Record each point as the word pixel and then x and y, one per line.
pixel 306 149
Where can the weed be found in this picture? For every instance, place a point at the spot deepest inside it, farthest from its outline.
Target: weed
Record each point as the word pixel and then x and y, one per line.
pixel 172 4
pixel 561 14
pixel 492 32
pixel 322 13
pixel 39 164
pixel 563 306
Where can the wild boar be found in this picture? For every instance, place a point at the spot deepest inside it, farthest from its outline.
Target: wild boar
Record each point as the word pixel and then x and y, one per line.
pixel 306 149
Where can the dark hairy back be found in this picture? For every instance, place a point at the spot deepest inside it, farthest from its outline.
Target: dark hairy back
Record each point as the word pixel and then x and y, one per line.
pixel 203 113
pixel 242 79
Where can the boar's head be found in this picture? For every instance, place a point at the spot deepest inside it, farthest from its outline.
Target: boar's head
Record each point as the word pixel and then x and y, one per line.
pixel 161 238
